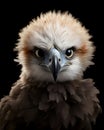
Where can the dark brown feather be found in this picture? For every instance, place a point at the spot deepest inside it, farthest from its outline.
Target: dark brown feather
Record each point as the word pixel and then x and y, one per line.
pixel 58 106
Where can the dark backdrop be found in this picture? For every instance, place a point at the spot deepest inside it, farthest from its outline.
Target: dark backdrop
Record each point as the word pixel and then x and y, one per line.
pixel 15 15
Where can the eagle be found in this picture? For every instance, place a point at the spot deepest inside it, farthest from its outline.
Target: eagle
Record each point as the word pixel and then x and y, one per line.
pixel 51 92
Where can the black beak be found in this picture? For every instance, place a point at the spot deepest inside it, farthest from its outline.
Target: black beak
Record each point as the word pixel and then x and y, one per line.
pixel 55 66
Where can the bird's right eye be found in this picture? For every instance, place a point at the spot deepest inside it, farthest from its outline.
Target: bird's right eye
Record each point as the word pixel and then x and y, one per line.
pixel 38 52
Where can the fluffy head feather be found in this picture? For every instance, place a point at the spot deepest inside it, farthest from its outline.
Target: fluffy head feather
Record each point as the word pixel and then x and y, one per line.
pixel 50 30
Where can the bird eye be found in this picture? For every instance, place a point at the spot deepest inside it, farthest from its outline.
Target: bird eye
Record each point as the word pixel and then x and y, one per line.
pixel 39 52
pixel 69 52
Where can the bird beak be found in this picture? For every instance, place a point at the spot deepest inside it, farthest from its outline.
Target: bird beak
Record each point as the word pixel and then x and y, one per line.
pixel 55 66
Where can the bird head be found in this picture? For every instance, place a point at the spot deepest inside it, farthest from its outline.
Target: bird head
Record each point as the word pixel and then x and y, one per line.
pixel 54 47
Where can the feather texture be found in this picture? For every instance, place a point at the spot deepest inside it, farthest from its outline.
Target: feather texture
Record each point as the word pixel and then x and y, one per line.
pixel 58 106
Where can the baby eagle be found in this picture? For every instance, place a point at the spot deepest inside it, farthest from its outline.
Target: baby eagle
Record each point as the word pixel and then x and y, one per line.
pixel 54 50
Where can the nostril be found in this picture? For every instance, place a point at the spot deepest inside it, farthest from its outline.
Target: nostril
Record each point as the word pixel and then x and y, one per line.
pixel 50 59
pixel 59 59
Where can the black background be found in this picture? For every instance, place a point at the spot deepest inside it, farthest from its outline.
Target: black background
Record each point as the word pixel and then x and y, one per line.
pixel 16 15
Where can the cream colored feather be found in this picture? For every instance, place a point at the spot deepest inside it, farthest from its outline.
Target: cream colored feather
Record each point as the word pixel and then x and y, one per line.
pixel 48 30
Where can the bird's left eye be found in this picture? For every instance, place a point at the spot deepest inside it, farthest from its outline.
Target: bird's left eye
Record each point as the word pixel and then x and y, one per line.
pixel 39 52
pixel 69 53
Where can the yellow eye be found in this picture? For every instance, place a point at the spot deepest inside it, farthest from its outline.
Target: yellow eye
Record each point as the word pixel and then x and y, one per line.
pixel 69 53
pixel 39 52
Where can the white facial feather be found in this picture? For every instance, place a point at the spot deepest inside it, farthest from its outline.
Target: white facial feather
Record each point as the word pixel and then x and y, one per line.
pixel 55 29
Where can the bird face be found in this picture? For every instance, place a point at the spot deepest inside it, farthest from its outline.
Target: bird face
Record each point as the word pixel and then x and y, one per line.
pixel 54 48
pixel 54 61
pixel 53 65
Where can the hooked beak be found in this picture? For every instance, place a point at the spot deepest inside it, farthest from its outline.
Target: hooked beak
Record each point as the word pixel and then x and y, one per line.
pixel 55 66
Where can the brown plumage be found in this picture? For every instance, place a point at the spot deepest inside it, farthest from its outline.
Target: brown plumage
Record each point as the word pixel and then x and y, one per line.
pixel 50 105
pixel 52 94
